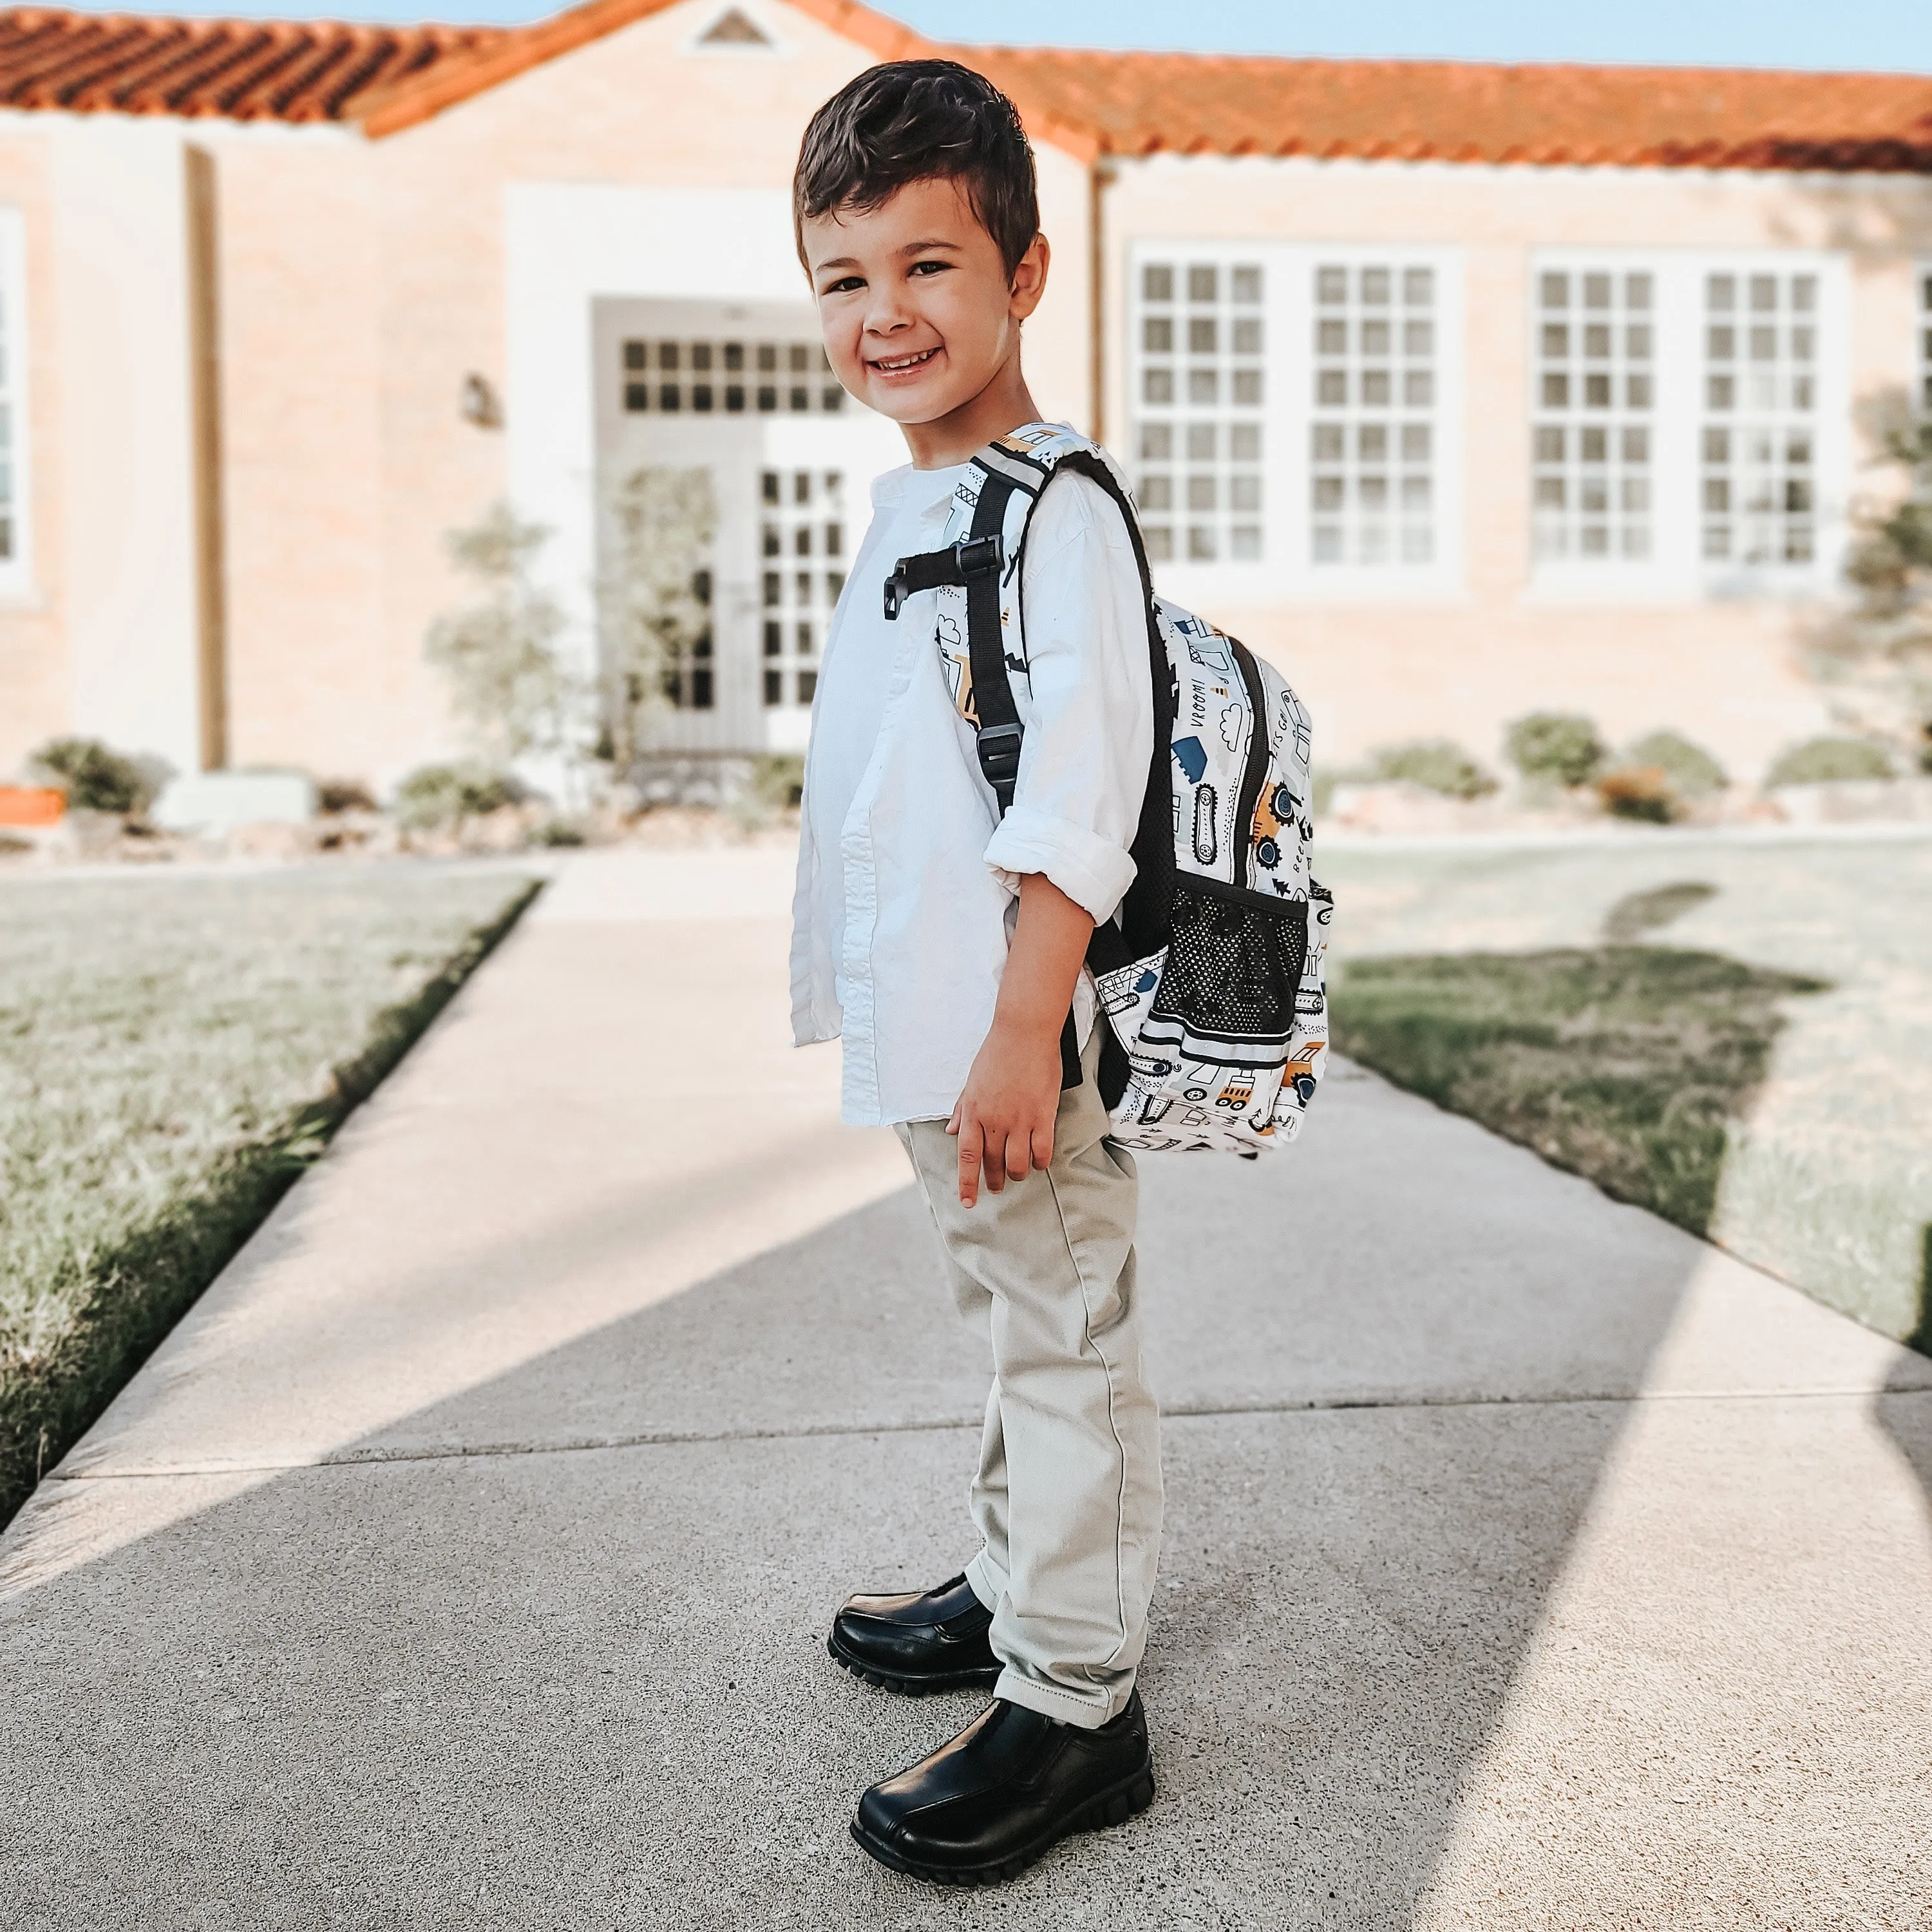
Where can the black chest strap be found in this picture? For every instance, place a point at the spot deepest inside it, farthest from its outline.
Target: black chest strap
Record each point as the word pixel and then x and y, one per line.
pixel 978 564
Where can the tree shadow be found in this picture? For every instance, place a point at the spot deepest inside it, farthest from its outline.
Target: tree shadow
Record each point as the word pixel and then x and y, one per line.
pixel 1629 1064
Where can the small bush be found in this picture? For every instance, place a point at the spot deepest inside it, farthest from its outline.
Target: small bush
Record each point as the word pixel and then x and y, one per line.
pixel 1557 745
pixel 778 779
pixel 438 795
pixel 560 832
pixel 1641 792
pixel 335 795
pixel 1827 760
pixel 1438 764
pixel 93 777
pixel 1693 773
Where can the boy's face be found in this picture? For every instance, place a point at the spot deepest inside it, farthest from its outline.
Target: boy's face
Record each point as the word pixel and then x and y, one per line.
pixel 918 311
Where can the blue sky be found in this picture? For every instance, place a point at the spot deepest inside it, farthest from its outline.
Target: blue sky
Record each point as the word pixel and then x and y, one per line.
pixel 1890 34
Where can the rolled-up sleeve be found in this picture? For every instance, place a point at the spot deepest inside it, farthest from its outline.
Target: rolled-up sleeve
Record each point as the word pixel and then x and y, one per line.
pixel 1090 730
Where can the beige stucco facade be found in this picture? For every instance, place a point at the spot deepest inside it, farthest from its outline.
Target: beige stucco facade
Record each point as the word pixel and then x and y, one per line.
pixel 358 282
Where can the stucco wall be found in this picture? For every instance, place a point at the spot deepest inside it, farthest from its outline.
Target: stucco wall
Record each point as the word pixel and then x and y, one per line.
pixel 422 214
pixel 104 640
pixel 1726 670
pixel 361 281
pixel 300 274
pixel 36 694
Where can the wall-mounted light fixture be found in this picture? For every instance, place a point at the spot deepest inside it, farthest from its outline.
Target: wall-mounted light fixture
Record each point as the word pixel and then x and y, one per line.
pixel 481 403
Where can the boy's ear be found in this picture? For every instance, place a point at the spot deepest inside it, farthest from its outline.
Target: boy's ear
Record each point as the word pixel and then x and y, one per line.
pixel 1029 278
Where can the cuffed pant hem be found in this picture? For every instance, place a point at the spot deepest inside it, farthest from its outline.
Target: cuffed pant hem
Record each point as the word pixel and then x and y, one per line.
pixel 987 1587
pixel 1085 1710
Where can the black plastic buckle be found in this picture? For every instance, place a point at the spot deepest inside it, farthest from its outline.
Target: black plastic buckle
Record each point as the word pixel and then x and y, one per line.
pixel 999 757
pixel 978 555
pixel 972 556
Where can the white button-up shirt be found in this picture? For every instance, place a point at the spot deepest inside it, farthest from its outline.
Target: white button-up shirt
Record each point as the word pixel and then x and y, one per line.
pixel 906 875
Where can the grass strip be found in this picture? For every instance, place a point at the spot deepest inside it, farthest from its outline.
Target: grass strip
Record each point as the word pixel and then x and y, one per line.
pixel 1627 1064
pixel 173 1055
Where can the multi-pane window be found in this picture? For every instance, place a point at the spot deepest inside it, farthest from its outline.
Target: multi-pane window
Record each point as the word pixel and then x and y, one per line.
pixel 802 540
pixel 673 378
pixel 1373 432
pixel 1592 431
pixel 1200 389
pixel 1760 439
pixel 690 671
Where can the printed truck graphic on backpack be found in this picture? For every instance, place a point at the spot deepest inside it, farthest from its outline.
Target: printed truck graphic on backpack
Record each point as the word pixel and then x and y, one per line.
pixel 1210 977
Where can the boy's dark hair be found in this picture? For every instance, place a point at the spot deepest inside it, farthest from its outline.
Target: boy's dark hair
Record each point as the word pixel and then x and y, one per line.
pixel 913 121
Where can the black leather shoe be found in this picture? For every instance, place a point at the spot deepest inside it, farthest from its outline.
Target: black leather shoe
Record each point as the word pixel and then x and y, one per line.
pixel 1003 1792
pixel 933 1641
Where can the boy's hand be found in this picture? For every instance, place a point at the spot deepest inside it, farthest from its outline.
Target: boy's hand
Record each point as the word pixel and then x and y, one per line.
pixel 1005 1117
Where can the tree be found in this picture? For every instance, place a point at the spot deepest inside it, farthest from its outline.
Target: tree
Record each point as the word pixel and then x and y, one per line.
pixel 1875 656
pixel 510 684
pixel 656 596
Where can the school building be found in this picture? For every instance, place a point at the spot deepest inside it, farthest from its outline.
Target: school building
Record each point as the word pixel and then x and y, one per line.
pixel 1458 390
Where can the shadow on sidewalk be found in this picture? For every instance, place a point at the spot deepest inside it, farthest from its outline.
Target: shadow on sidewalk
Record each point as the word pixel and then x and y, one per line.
pixel 536 1686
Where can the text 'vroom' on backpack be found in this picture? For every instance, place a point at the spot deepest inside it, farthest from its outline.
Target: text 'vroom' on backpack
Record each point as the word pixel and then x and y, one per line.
pixel 1209 976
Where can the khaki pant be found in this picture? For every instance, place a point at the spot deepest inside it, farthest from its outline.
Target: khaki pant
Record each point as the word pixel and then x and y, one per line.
pixel 1067 1500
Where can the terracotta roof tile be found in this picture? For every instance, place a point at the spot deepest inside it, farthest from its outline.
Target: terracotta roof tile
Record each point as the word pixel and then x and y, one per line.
pixel 1441 110
pixel 238 69
pixel 1095 103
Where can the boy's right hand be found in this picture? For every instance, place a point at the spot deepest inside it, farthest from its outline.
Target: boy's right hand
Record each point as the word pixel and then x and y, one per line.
pixel 1005 1117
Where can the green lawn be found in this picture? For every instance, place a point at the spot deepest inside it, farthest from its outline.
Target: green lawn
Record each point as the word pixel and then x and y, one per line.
pixel 1736 1034
pixel 173 1051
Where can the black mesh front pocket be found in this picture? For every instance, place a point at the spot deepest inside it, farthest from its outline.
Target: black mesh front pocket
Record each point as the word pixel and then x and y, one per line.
pixel 1233 960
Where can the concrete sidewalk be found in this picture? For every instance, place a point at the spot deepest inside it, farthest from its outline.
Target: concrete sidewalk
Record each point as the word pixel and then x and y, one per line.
pixel 464 1559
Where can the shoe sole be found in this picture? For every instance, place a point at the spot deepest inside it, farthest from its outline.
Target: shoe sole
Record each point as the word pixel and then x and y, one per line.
pixel 911 1687
pixel 1114 1806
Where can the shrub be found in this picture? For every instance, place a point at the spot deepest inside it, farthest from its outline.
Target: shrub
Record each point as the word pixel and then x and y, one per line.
pixel 560 832
pixel 335 795
pixel 1642 792
pixel 1438 764
pixel 1556 745
pixel 1692 771
pixel 93 777
pixel 777 778
pixel 438 795
pixel 1826 760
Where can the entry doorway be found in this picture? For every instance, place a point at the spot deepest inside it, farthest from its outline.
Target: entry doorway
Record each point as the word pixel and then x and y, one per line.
pixel 740 395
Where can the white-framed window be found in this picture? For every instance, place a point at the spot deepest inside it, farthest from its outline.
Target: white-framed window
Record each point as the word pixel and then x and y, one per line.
pixel 802 550
pixel 1373 448
pixel 1295 417
pixel 1760 453
pixel 15 552
pixel 1689 422
pixel 680 377
pixel 1595 400
pixel 1200 387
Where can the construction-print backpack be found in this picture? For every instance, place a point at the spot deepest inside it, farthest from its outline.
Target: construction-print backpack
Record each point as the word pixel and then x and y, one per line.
pixel 1209 976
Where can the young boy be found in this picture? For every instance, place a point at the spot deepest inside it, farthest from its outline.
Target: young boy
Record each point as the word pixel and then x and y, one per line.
pixel 946 944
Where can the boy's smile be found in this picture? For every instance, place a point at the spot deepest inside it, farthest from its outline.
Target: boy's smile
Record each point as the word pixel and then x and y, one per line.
pixel 921 320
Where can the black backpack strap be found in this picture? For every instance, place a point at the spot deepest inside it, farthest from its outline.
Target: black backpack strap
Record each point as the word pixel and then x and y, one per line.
pixel 979 562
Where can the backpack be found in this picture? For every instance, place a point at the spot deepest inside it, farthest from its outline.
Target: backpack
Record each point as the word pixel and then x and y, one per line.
pixel 1210 975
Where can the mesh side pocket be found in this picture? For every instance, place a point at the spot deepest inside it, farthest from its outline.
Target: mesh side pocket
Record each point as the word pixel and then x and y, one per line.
pixel 1233 960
